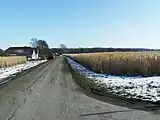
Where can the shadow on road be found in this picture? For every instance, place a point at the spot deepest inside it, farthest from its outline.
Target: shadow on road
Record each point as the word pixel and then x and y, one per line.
pixel 100 113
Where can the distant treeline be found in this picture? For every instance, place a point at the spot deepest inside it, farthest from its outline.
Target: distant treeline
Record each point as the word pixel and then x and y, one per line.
pixel 94 50
pixel 91 50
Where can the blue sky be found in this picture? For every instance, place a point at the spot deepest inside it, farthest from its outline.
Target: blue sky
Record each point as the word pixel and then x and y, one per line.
pixel 81 23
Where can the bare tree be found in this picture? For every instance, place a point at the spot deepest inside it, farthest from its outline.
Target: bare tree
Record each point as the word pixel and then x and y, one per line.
pixel 39 44
pixel 42 44
pixel 34 42
pixel 63 46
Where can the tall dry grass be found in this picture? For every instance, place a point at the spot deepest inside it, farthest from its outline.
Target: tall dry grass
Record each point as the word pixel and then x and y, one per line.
pixel 11 60
pixel 122 63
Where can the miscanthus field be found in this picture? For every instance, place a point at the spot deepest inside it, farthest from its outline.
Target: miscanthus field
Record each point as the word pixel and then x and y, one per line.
pixel 9 61
pixel 121 63
pixel 133 75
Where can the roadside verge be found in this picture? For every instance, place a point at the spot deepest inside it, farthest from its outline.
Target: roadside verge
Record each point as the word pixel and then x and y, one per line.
pixel 100 88
pixel 19 72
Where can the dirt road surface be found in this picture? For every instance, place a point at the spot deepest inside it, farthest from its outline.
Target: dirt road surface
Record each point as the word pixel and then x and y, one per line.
pixel 48 92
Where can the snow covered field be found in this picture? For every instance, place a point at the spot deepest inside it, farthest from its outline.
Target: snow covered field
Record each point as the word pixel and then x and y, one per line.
pixel 143 88
pixel 12 71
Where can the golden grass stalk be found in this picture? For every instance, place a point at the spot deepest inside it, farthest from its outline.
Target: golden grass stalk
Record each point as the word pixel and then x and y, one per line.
pixel 121 63
pixel 9 61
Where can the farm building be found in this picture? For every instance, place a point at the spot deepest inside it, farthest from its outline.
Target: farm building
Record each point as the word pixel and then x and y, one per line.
pixel 29 52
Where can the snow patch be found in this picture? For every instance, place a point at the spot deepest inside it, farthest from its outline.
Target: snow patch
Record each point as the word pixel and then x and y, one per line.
pixel 12 71
pixel 144 88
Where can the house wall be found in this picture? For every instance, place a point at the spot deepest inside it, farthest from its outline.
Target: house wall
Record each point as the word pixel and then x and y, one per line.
pixel 35 55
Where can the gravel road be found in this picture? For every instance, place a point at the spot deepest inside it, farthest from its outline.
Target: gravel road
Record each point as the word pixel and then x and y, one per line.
pixel 48 92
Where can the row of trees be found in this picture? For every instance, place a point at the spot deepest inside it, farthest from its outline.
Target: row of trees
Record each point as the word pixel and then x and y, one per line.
pixel 94 50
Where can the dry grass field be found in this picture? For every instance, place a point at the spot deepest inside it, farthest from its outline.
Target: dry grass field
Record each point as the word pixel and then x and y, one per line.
pixel 11 60
pixel 121 63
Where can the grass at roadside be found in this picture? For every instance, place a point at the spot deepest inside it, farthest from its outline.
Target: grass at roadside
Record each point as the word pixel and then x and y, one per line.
pixel 9 61
pixel 84 82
